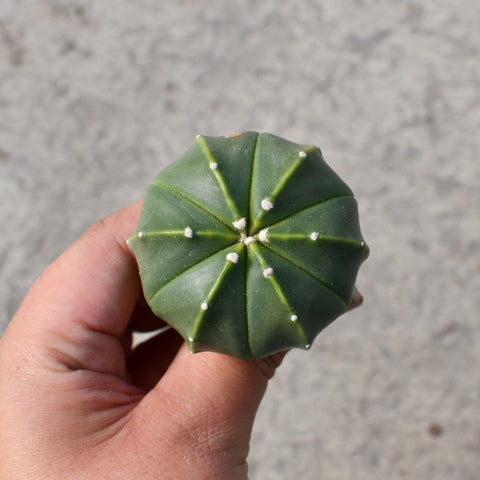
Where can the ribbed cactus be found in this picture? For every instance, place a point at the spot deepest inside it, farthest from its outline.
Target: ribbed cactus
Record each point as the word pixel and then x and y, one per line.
pixel 248 244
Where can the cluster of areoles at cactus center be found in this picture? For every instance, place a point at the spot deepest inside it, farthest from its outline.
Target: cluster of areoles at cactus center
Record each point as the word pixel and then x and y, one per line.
pixel 248 244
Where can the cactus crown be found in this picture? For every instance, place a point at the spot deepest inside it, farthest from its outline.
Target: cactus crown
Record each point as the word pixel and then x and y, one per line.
pixel 248 244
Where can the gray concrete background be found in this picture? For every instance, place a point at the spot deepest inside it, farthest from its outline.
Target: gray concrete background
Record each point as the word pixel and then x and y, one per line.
pixel 96 97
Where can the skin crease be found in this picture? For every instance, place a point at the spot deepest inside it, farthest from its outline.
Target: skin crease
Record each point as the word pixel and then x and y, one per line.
pixel 77 403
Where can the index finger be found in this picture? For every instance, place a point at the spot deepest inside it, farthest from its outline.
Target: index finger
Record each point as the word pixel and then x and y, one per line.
pixel 93 285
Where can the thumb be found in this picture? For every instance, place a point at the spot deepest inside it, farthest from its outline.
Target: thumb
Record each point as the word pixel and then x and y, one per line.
pixel 213 398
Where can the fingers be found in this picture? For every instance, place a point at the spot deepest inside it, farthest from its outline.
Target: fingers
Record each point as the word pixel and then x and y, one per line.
pixel 217 379
pixel 86 296
pixel 212 398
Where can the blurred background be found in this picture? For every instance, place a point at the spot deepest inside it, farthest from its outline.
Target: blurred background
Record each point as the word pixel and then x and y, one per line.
pixel 97 97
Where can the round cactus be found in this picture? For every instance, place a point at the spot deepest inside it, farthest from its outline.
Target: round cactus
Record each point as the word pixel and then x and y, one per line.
pixel 248 244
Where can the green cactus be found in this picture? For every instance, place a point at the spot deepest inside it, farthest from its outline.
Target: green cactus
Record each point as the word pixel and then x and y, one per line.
pixel 248 244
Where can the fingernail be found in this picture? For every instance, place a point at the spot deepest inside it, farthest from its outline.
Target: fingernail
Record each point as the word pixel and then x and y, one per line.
pixel 357 299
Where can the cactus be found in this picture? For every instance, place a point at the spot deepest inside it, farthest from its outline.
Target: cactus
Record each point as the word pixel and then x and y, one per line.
pixel 248 244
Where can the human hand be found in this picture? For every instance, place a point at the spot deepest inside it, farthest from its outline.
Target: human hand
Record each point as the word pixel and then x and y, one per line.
pixel 76 402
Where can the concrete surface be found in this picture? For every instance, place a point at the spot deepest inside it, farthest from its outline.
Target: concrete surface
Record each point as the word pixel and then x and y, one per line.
pixel 96 97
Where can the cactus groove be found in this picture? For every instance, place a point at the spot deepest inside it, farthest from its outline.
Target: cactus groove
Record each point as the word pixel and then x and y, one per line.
pixel 248 244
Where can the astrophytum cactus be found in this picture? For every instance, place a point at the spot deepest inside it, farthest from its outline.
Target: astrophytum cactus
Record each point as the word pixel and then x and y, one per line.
pixel 248 245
